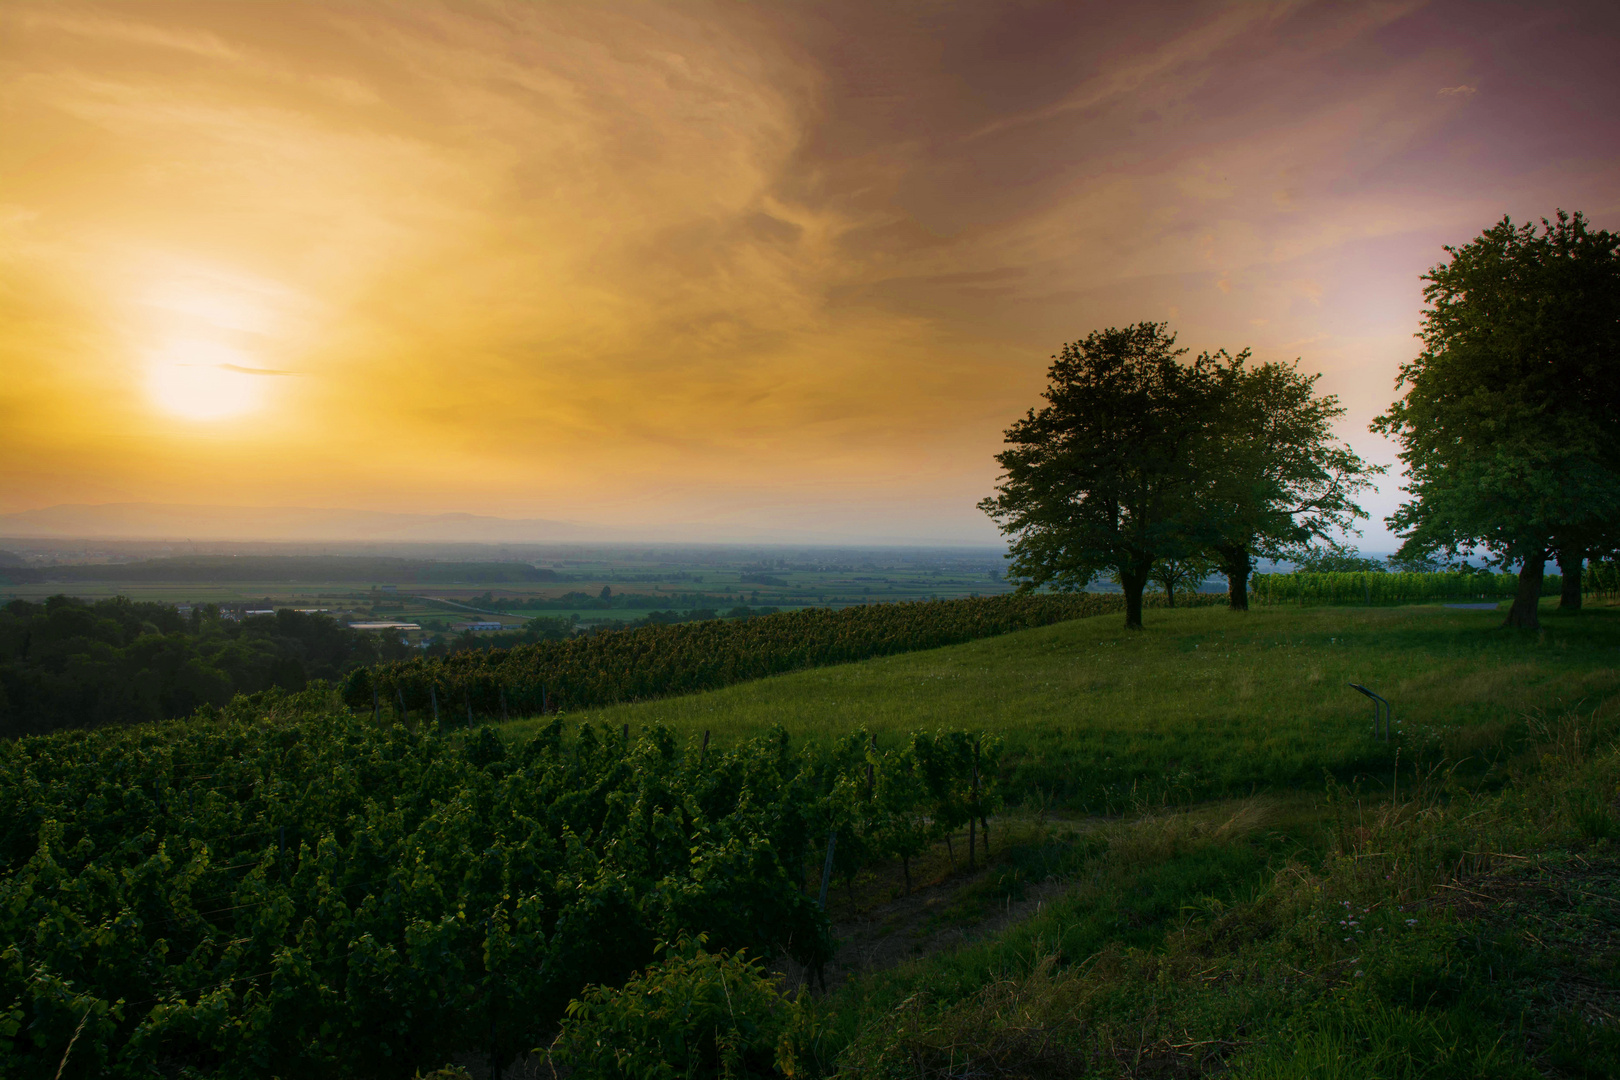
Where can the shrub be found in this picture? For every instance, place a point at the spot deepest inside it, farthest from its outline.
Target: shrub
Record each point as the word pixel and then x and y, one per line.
pixel 692 1014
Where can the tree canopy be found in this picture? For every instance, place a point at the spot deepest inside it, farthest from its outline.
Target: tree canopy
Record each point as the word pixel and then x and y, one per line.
pixel 1280 481
pixel 1510 425
pixel 1105 475
pixel 1142 464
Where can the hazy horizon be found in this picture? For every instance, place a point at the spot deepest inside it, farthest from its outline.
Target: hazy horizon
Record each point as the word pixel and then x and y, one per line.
pixel 342 525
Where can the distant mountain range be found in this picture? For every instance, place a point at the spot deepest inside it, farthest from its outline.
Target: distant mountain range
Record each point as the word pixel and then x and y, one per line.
pixel 175 522
pixel 159 521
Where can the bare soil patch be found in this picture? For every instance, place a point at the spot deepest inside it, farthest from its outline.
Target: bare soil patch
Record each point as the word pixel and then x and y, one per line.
pixel 878 925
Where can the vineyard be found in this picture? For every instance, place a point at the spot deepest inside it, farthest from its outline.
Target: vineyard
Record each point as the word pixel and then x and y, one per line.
pixel 290 888
pixel 659 661
pixel 1381 588
pixel 1602 578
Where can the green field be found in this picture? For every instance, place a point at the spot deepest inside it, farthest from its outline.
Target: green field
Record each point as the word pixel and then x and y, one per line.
pixel 771 577
pixel 1204 703
pixel 642 579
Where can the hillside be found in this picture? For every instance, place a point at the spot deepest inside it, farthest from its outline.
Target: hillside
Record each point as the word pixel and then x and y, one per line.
pixel 303 874
pixel 1204 703
pixel 1282 895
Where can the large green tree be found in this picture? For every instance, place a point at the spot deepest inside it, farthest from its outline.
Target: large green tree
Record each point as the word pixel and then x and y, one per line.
pixel 1105 476
pixel 1278 480
pixel 1510 425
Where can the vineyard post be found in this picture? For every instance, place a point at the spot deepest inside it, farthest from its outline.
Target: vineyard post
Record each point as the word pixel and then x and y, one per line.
pixel 826 867
pixel 626 734
pixel 984 821
pixel 703 751
pixel 404 713
pixel 973 810
pixel 869 770
pixel 433 696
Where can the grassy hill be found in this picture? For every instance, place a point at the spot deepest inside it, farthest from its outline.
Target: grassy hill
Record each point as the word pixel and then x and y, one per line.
pixel 1281 896
pixel 1204 703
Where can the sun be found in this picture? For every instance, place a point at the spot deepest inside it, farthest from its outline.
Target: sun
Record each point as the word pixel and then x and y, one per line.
pixel 203 380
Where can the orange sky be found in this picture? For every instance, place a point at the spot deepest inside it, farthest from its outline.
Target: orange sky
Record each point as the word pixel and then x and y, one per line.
pixel 787 266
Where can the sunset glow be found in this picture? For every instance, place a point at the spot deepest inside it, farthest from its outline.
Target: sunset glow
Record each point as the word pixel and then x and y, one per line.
pixel 778 266
pixel 199 380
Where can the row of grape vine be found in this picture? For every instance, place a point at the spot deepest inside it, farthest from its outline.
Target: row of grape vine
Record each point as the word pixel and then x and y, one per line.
pixel 658 661
pixel 292 889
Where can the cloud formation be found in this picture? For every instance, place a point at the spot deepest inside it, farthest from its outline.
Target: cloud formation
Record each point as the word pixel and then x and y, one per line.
pixel 789 266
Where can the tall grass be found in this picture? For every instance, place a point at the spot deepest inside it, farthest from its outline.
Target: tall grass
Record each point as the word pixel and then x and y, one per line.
pixel 1450 929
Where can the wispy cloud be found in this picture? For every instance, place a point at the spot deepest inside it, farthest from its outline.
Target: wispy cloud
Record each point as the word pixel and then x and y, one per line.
pixel 240 370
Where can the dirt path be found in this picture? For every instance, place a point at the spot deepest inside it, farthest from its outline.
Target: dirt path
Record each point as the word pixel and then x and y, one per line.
pixel 882 927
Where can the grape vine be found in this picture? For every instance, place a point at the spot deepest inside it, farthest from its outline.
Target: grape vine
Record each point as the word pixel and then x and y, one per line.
pixel 291 889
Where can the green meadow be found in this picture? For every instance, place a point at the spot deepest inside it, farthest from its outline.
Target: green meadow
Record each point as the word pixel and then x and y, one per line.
pixel 1203 703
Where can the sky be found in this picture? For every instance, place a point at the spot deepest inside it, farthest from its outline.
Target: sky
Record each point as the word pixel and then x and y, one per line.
pixel 779 266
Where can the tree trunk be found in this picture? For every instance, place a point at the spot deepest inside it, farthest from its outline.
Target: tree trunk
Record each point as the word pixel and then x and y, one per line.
pixel 1570 566
pixel 1236 565
pixel 1524 612
pixel 1169 594
pixel 1133 584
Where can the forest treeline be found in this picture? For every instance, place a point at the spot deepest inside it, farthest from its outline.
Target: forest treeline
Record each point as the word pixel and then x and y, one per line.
pixel 69 663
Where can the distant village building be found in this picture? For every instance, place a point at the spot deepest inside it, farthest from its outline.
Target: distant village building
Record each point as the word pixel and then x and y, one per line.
pixel 458 627
pixel 384 626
